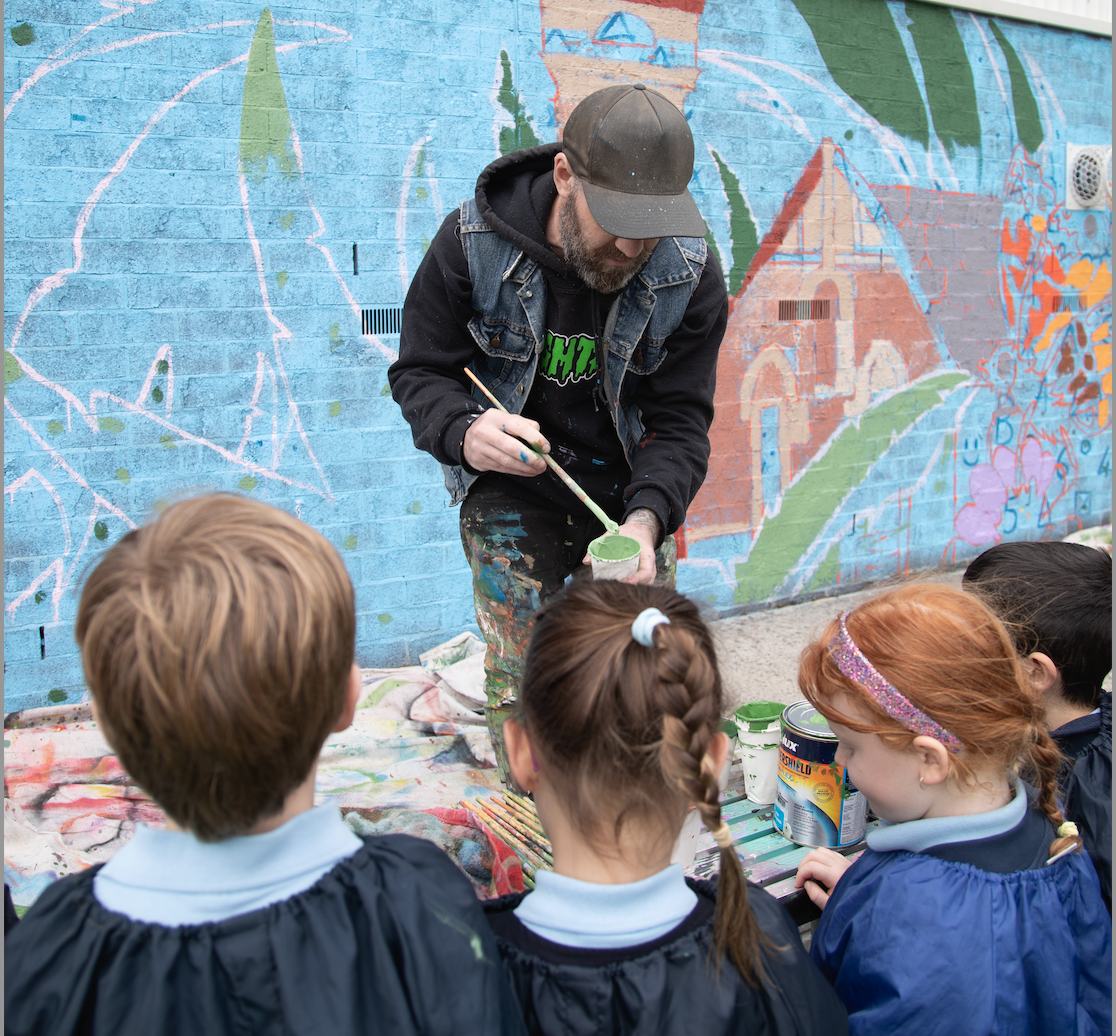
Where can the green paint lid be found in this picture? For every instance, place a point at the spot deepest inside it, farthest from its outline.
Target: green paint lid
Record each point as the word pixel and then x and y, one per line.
pixel 759 715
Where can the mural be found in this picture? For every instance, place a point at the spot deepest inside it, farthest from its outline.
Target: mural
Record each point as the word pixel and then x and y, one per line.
pixel 212 216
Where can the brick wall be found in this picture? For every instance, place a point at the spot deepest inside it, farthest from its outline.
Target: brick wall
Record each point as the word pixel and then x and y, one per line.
pixel 182 311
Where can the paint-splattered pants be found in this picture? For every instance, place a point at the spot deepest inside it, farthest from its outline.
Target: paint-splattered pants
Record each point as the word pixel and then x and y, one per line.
pixel 521 555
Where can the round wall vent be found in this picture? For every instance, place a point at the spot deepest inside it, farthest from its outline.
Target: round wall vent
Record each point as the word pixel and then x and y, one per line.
pixel 1088 176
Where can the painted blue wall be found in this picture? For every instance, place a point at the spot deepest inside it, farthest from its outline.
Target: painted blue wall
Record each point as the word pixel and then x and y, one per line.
pixel 176 324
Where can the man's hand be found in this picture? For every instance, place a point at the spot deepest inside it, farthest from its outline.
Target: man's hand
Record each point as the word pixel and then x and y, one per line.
pixel 820 867
pixel 491 444
pixel 643 527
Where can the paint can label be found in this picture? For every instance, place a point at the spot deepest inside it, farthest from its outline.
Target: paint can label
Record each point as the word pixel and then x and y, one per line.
pixel 815 802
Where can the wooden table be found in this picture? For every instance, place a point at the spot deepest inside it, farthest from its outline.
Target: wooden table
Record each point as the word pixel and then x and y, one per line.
pixel 769 859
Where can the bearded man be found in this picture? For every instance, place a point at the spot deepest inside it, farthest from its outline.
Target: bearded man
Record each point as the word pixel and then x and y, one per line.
pixel 578 287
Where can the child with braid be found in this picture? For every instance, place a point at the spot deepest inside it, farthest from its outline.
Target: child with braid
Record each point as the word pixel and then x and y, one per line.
pixel 972 912
pixel 616 735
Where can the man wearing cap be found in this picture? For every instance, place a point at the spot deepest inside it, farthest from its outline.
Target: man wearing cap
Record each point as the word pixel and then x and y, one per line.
pixel 578 287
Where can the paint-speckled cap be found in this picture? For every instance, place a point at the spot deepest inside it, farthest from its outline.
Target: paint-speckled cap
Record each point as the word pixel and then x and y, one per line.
pixel 634 154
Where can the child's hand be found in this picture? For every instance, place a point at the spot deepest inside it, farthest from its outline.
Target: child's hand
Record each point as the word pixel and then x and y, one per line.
pixel 820 867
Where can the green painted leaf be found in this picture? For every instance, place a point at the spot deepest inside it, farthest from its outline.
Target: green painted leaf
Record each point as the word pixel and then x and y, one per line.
pixel 334 409
pixel 1027 122
pixel 123 475
pixel 521 134
pixel 385 618
pixel 55 427
pixel 112 425
pixel 287 220
pixel 350 541
pixel 335 339
pixel 265 122
pixel 167 441
pixel 162 367
pixel 157 394
pixel 947 74
pixel 247 484
pixel 281 279
pixel 23 34
pixel 809 502
pixel 100 530
pixel 40 596
pixel 745 241
pixel 861 47
pixel 12 370
pixel 57 695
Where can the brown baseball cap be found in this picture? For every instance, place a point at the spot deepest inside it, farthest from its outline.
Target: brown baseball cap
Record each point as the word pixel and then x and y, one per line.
pixel 634 154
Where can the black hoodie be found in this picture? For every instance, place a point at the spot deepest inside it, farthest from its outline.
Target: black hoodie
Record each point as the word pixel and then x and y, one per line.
pixel 515 195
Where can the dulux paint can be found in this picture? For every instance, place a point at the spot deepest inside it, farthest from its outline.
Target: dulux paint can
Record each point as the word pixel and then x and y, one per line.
pixel 815 803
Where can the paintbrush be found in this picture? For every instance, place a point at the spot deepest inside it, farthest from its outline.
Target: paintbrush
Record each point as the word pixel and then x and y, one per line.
pixel 526 866
pixel 527 855
pixel 532 838
pixel 525 816
pixel 577 491
pixel 504 831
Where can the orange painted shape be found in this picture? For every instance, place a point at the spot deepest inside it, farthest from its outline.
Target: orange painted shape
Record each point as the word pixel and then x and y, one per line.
pixel 1099 335
pixel 1103 351
pixel 1008 300
pixel 1053 269
pixel 1056 322
pixel 1020 275
pixel 1020 245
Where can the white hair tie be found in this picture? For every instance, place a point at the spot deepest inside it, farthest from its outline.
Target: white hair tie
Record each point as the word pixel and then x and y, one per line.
pixel 644 625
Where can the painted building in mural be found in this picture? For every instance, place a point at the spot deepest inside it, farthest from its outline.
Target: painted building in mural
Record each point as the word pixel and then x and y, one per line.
pixel 212 214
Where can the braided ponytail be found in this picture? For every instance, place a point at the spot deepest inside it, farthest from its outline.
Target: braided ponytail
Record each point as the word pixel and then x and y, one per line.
pixel 691 713
pixel 626 730
pixel 1044 759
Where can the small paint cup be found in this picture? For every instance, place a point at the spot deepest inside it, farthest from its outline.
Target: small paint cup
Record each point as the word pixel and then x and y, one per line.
pixel 758 741
pixel 614 556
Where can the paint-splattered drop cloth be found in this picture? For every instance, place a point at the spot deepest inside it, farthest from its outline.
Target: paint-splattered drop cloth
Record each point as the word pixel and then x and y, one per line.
pixel 391 940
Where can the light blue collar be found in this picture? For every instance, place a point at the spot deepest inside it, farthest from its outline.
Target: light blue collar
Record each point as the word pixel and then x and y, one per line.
pixel 593 916
pixel 917 836
pixel 173 878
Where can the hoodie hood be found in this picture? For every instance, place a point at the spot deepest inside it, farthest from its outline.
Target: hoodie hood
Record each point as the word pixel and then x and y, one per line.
pixel 514 196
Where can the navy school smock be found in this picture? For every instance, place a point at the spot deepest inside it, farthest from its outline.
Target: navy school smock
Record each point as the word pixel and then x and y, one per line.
pixel 391 941
pixel 977 938
pixel 670 986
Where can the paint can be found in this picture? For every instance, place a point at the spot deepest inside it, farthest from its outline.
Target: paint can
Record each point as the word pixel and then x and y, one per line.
pixel 614 556
pixel 815 803
pixel 760 728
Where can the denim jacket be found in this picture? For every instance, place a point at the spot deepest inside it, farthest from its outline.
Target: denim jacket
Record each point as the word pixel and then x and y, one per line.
pixel 509 325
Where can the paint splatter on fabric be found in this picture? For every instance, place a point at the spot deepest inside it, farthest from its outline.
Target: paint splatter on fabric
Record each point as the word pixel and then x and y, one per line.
pixel 414 751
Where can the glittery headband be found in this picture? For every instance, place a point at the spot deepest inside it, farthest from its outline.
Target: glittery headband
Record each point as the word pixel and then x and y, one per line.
pixel 851 661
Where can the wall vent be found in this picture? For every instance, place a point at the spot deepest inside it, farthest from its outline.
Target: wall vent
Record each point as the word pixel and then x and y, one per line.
pixel 381 320
pixel 804 309
pixel 1059 303
pixel 1088 176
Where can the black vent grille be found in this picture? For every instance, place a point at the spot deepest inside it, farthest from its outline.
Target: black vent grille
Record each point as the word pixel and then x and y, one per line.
pixel 381 320
pixel 1059 303
pixel 804 309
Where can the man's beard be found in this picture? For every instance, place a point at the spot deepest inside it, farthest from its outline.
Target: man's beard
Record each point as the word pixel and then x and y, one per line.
pixel 591 265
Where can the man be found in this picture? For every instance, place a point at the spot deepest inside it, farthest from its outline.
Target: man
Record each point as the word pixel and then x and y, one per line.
pixel 577 286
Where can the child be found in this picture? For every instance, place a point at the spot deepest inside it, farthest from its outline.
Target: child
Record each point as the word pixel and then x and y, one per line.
pixel 1056 600
pixel 616 736
pixel 218 645
pixel 971 912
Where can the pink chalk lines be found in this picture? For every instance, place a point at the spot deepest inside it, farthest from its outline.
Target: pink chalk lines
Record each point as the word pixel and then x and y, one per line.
pixel 63 567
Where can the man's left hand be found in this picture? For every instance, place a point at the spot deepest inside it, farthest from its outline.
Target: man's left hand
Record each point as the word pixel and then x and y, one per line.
pixel 643 527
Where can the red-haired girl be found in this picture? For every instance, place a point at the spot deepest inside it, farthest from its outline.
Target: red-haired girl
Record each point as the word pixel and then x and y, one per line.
pixel 973 910
pixel 616 737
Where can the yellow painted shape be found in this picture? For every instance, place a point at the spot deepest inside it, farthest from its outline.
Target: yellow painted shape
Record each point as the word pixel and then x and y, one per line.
pixel 1059 320
pixel 1038 224
pixel 1106 384
pixel 1102 413
pixel 1101 333
pixel 1092 282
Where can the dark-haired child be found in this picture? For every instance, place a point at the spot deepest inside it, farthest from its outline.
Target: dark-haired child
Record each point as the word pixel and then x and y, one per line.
pixel 972 912
pixel 1056 600
pixel 616 735
pixel 218 645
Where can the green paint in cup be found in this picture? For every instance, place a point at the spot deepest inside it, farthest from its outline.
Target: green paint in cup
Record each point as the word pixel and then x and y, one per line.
pixel 614 548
